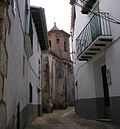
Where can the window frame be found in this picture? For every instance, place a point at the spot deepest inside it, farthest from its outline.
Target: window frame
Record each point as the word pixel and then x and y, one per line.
pixel 30 93
pixel 65 45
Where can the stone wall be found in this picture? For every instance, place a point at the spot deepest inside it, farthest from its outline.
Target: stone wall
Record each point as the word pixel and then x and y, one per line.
pixel 46 100
pixel 3 61
pixel 60 85
pixel 27 115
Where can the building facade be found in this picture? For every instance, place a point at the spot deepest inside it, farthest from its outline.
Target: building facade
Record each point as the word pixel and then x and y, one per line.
pixel 60 71
pixel 96 42
pixel 21 41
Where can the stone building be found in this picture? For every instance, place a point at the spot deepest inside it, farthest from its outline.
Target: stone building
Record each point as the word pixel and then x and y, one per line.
pixel 95 28
pixel 58 91
pixel 23 34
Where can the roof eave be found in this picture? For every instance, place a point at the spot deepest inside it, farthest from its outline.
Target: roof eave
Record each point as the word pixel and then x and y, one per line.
pixel 38 15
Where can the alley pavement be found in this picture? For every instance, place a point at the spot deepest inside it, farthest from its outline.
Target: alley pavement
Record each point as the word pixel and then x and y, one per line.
pixel 67 119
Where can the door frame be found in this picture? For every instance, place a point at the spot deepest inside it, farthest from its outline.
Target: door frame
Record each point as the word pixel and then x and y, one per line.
pixel 105 92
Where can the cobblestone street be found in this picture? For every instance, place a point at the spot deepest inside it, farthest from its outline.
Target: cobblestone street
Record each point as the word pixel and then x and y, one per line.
pixel 67 119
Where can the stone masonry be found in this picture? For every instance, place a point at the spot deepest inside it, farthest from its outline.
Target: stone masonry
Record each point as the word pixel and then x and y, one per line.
pixel 3 60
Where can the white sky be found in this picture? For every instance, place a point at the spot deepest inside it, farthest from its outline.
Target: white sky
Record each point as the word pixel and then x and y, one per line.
pixel 58 11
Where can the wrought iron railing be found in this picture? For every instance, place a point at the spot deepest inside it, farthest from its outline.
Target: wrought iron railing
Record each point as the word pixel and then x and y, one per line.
pixel 98 25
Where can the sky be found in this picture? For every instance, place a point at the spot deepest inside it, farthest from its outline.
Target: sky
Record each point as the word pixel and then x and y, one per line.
pixel 58 11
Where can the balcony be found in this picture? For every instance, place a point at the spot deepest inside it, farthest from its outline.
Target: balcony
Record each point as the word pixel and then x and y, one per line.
pixel 87 6
pixel 94 38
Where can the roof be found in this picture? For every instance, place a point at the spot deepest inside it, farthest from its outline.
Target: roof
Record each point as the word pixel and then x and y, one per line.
pixel 67 61
pixel 39 19
pixel 55 28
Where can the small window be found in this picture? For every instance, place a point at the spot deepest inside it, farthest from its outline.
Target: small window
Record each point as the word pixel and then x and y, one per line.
pixel 65 46
pixel 30 93
pixel 31 30
pixel 26 18
pixel 27 15
pixel 26 7
pixel 39 69
pixel 57 40
pixel 76 83
pixel 50 43
pixel 23 65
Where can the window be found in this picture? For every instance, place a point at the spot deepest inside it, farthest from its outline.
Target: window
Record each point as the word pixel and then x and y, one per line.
pixel 30 93
pixel 50 43
pixel 39 69
pixel 26 18
pixel 23 65
pixel 76 83
pixel 31 30
pixel 57 40
pixel 65 46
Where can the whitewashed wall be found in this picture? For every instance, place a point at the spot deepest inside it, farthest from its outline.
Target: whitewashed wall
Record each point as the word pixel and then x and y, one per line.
pixel 15 84
pixel 33 71
pixel 84 70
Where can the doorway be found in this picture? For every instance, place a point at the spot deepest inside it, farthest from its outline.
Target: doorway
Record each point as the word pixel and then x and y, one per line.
pixel 18 116
pixel 106 92
pixel 39 110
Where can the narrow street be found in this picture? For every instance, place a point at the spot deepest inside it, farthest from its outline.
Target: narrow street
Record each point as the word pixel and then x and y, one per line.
pixel 67 119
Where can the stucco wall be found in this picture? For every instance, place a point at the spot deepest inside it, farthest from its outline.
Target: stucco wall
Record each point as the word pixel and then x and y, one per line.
pixel 88 74
pixel 113 64
pixel 13 88
pixel 85 80
pixel 110 52
pixel 34 66
pixel 19 73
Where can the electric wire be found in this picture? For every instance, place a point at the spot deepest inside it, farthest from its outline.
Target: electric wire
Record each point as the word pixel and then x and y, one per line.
pixel 109 18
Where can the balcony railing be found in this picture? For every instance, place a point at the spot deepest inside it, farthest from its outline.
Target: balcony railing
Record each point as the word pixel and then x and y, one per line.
pixel 96 27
